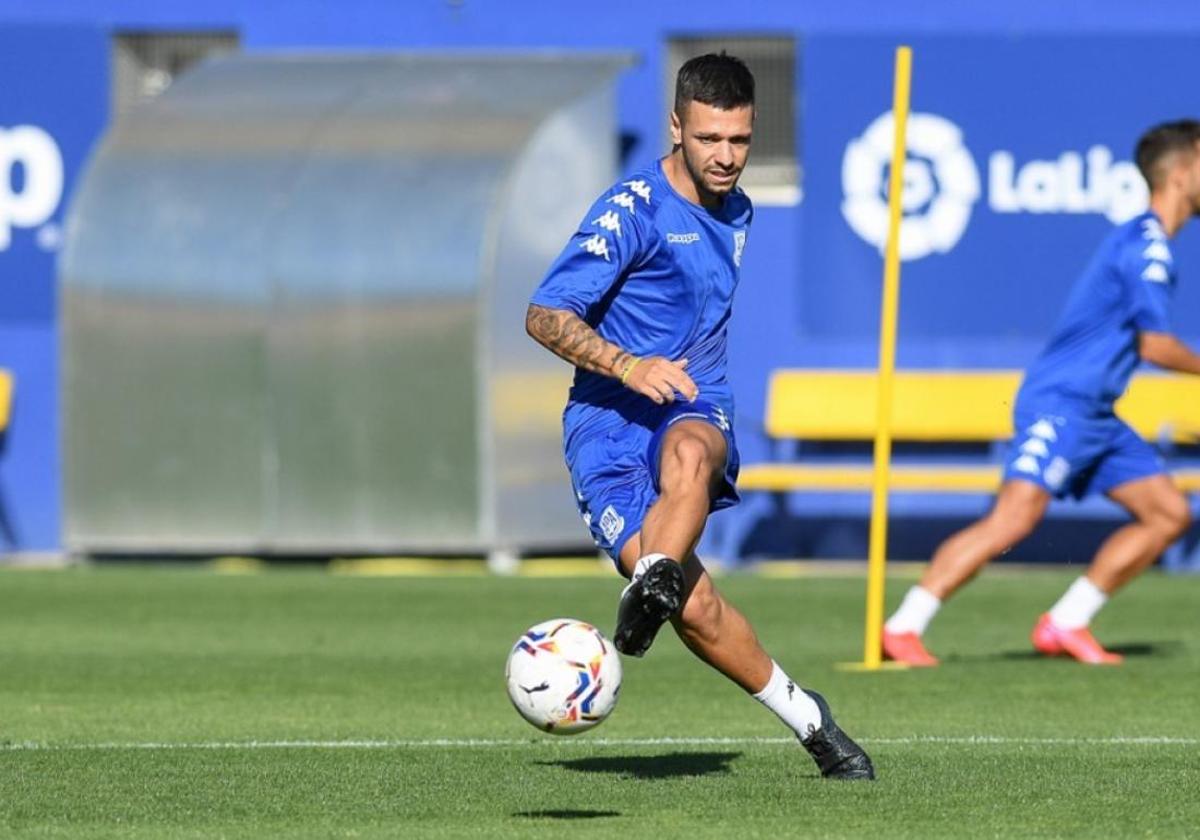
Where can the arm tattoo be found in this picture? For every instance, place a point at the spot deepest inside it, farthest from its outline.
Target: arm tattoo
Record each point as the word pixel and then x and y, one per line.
pixel 566 335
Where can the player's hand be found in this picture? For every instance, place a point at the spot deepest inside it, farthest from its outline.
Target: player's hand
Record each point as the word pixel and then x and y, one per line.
pixel 661 379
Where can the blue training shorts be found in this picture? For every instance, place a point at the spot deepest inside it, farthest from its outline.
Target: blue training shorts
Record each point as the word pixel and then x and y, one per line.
pixel 615 476
pixel 1075 453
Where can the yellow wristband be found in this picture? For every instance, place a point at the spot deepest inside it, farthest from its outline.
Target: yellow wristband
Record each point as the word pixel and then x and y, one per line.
pixel 628 370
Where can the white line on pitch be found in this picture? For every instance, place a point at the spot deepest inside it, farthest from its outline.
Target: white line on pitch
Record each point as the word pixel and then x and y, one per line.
pixel 473 743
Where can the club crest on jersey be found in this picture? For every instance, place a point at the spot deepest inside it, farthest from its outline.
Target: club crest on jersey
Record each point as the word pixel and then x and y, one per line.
pixel 739 244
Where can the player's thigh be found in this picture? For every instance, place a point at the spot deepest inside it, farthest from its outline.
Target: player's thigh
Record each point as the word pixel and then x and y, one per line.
pixel 1154 500
pixel 706 433
pixel 1123 472
pixel 692 448
pixel 1020 506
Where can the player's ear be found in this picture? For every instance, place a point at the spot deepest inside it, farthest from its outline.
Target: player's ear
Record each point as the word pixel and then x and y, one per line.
pixel 676 130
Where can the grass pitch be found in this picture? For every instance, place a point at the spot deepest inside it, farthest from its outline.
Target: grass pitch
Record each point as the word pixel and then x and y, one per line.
pixel 176 703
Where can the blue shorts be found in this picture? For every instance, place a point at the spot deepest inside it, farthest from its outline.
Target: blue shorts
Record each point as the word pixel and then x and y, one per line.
pixel 1069 452
pixel 615 476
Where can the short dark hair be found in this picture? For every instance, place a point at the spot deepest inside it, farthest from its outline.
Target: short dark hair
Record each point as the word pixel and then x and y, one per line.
pixel 722 81
pixel 1162 141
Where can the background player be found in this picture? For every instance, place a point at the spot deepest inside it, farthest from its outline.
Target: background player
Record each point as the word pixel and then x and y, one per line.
pixel 1068 440
pixel 638 302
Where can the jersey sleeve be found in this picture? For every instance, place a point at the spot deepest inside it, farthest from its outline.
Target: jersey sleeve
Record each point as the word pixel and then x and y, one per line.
pixel 612 238
pixel 1150 278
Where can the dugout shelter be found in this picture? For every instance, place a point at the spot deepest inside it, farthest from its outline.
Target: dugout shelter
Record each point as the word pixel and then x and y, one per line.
pixel 292 295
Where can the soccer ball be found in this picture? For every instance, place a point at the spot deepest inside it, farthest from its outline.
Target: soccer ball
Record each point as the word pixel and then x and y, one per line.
pixel 563 676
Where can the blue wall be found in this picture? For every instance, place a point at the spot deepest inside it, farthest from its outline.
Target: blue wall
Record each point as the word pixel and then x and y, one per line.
pixel 53 105
pixel 1022 81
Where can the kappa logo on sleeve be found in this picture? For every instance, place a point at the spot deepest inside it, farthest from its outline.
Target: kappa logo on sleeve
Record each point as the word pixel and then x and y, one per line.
pixel 623 200
pixel 609 221
pixel 597 245
pixel 639 188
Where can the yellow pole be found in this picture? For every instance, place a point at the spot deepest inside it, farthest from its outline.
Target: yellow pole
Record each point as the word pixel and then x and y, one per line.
pixel 877 554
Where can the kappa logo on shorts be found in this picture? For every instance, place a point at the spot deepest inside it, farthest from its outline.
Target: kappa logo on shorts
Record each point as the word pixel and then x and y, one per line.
pixel 612 524
pixel 1037 447
pixel 1027 464
pixel 1044 429
pixel 1156 273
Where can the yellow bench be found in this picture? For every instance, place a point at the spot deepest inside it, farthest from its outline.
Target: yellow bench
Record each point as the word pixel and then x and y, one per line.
pixel 938 406
pixel 6 390
pixel 944 406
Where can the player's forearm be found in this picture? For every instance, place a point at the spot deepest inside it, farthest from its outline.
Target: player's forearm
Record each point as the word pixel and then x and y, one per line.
pixel 567 336
pixel 1168 352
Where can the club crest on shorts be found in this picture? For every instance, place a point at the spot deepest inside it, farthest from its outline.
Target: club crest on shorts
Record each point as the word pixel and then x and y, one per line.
pixel 611 524
pixel 739 244
pixel 1056 473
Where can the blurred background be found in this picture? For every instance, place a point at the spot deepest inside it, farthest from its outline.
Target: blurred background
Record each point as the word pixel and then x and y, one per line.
pixel 265 264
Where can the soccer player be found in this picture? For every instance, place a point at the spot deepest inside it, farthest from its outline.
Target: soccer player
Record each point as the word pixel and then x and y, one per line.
pixel 638 302
pixel 1068 440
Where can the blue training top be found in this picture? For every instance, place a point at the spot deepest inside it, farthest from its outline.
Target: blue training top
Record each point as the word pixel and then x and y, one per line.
pixel 1125 290
pixel 654 274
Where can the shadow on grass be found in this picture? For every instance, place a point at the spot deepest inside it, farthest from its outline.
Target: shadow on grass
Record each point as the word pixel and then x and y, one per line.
pixel 1168 648
pixel 666 766
pixel 566 814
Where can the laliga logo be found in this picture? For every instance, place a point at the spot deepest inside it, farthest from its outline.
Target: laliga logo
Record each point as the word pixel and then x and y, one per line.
pixel 32 152
pixel 1058 186
pixel 940 185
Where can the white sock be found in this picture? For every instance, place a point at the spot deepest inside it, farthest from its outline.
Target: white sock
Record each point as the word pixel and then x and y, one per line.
pixel 640 567
pixel 916 611
pixel 645 563
pixel 795 708
pixel 1078 605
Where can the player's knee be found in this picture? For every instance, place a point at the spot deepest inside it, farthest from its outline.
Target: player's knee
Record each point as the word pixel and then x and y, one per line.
pixel 700 617
pixel 688 458
pixel 1014 523
pixel 1172 516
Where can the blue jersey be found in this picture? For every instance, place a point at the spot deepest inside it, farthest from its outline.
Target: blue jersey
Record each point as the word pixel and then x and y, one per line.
pixel 654 274
pixel 1125 290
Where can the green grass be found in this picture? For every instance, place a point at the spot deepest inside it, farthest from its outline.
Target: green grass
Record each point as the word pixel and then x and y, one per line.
pixel 96 666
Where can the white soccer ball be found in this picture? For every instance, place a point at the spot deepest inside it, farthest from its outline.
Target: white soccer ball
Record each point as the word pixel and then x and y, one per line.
pixel 563 676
